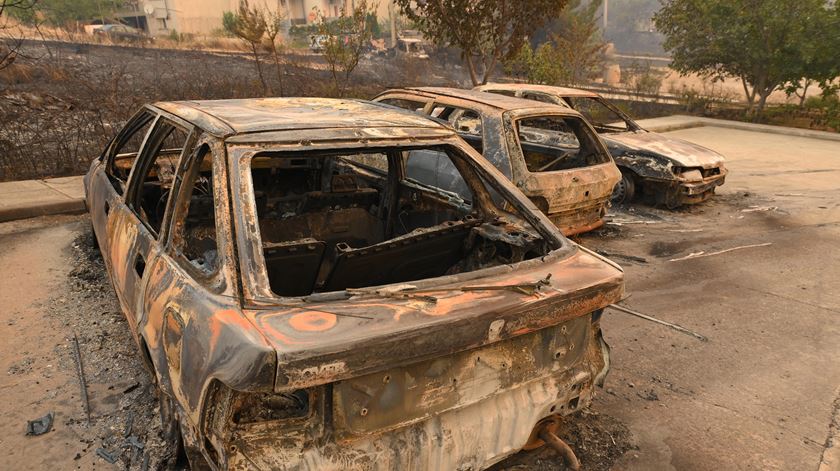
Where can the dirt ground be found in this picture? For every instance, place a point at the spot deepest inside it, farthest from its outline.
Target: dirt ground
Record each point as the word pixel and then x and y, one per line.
pixel 761 393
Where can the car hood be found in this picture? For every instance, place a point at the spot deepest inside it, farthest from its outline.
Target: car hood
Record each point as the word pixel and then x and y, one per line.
pixel 682 153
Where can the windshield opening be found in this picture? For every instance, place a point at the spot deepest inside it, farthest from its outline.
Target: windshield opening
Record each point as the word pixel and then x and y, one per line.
pixel 599 115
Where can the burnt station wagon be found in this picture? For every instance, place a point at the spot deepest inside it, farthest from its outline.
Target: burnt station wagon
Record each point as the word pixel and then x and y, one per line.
pixel 548 151
pixel 304 303
pixel 669 171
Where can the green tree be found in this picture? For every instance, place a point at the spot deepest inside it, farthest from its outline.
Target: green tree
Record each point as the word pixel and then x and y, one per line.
pixel 63 12
pixel 486 31
pixel 346 39
pixel 541 66
pixel 229 20
pixel 818 61
pixel 761 42
pixel 577 38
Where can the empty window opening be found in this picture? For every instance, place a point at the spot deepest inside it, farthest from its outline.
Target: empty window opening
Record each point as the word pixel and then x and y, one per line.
pixel 553 143
pixel 602 117
pixel 157 173
pixel 125 148
pixel 336 220
pixel 195 236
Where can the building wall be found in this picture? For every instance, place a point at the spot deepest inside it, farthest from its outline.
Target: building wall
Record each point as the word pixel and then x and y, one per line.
pixel 203 17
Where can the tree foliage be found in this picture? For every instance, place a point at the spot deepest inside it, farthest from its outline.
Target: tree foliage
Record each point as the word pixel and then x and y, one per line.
pixel 569 49
pixel 346 39
pixel 486 31
pixel 765 43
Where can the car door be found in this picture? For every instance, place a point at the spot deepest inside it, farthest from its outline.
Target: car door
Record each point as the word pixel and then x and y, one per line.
pixel 138 220
pixel 108 180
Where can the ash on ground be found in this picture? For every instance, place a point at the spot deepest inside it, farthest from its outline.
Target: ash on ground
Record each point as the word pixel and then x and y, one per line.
pixel 124 420
pixel 598 441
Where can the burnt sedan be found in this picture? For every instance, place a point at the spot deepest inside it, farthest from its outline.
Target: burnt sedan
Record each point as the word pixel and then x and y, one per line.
pixel 671 172
pixel 549 152
pixel 303 303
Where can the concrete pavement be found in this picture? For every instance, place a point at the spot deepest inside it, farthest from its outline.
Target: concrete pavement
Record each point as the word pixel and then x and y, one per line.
pixel 32 198
pixel 764 391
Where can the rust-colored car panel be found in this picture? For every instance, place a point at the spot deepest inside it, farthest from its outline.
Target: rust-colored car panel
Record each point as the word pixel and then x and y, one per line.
pixel 485 305
pixel 575 199
pixel 673 172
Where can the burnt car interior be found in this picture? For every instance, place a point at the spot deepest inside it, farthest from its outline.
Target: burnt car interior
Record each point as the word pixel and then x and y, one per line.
pixel 164 146
pixel 553 143
pixel 349 219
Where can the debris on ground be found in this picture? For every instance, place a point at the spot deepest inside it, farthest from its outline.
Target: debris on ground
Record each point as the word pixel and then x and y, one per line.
pixel 598 441
pixel 40 426
pixel 107 455
pixel 676 327
pixel 621 256
pixel 703 253
pixel 126 424
pixel 753 209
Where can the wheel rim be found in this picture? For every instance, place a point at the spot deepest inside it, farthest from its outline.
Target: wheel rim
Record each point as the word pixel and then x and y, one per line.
pixel 620 190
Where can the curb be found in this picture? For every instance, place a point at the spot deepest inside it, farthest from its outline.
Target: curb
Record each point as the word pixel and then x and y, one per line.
pixel 678 122
pixel 26 199
pixel 46 209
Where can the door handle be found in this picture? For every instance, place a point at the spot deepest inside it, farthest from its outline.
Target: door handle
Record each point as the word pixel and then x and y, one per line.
pixel 139 264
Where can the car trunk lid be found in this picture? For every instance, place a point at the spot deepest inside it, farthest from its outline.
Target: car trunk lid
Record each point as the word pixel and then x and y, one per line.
pixel 323 342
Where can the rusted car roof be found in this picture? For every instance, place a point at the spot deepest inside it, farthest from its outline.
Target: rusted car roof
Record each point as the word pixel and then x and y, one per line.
pixel 493 100
pixel 550 89
pixel 227 117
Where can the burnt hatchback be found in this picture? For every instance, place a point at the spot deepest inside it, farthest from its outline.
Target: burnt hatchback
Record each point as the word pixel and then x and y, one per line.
pixel 549 152
pixel 669 171
pixel 304 304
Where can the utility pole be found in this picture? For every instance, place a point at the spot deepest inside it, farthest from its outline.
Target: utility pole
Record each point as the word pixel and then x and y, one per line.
pixel 606 13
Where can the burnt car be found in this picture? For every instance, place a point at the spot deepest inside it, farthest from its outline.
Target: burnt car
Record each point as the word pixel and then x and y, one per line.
pixel 303 303
pixel 669 171
pixel 549 152
pixel 120 32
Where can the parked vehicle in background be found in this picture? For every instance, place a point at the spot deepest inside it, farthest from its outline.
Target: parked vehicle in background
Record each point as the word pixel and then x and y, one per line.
pixel 304 302
pixel 670 171
pixel 317 43
pixel 119 32
pixel 412 48
pixel 548 151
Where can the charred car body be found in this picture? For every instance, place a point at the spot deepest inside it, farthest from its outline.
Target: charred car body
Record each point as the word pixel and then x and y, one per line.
pixel 305 304
pixel 670 171
pixel 549 152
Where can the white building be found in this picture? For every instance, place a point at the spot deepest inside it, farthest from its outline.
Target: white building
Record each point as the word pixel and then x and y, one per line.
pixel 204 17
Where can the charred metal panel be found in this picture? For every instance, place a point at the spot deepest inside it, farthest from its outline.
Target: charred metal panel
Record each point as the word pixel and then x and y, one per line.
pixel 401 396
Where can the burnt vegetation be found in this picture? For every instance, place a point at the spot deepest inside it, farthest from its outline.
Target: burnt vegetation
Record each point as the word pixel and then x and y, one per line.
pixel 60 102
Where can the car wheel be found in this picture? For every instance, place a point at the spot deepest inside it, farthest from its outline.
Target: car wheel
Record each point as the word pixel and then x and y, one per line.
pixel 624 190
pixel 184 455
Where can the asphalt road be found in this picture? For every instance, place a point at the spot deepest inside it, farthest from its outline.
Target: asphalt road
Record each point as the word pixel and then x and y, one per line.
pixel 762 393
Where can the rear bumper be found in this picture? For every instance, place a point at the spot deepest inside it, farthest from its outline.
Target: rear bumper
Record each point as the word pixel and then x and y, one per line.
pixel 581 219
pixel 474 436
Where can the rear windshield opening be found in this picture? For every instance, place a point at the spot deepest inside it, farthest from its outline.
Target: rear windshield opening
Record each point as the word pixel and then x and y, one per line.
pixel 338 220
pixel 554 143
